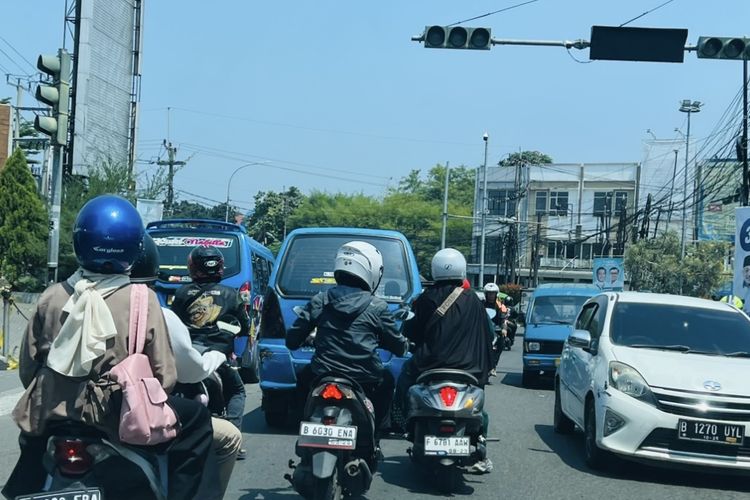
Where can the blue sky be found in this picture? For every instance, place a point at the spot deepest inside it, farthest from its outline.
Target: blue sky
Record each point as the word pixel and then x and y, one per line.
pixel 335 96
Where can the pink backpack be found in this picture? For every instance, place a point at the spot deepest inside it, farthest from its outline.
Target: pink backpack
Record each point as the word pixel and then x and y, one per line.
pixel 145 417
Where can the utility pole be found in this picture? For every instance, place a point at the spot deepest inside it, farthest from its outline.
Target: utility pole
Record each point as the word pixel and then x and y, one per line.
pixel 688 107
pixel 745 174
pixel 485 138
pixel 171 163
pixel 283 211
pixel 537 243
pixel 19 103
pixel 445 204
pixel 671 190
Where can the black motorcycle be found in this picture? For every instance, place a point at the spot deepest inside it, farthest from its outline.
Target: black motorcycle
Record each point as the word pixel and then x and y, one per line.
pixel 82 463
pixel 336 444
pixel 444 424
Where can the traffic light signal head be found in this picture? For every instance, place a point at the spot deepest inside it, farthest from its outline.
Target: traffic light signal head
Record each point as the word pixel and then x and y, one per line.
pixel 55 95
pixel 717 47
pixel 457 37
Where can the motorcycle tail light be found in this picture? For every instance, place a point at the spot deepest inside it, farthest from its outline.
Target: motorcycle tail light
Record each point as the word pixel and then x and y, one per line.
pixel 448 395
pixel 329 420
pixel 447 429
pixel 332 391
pixel 72 457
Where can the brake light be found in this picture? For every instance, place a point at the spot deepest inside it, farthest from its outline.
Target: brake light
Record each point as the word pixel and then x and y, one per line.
pixel 245 291
pixel 447 429
pixel 448 395
pixel 72 457
pixel 329 420
pixel 332 391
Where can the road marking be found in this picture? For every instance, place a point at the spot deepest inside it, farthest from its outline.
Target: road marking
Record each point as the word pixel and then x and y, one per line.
pixel 8 400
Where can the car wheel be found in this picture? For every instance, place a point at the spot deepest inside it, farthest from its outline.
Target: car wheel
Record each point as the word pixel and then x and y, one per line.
pixel 595 457
pixel 529 378
pixel 561 423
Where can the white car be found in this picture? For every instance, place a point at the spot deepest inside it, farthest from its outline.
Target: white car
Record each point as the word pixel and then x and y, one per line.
pixel 657 378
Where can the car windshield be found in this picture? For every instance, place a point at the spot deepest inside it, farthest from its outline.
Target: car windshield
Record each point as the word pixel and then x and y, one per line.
pixel 307 266
pixel 561 309
pixel 174 248
pixel 673 327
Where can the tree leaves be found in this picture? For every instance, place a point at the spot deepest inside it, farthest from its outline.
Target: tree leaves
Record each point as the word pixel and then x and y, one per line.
pixel 23 226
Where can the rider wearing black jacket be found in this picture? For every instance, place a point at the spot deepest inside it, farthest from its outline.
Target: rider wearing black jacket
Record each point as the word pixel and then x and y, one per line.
pixel 351 324
pixel 200 305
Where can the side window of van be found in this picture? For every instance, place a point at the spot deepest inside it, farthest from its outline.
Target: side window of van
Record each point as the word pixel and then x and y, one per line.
pixel 260 274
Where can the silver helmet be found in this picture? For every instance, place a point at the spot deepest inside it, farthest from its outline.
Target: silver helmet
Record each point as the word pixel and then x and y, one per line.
pixel 448 264
pixel 360 259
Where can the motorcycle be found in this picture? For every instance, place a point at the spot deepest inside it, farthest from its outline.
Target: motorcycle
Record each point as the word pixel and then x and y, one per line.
pixel 81 463
pixel 336 442
pixel 444 424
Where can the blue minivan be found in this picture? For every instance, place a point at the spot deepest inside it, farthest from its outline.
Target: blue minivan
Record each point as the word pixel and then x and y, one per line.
pixel 247 267
pixel 550 314
pixel 304 267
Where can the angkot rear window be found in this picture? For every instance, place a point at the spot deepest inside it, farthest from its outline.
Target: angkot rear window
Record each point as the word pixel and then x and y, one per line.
pixel 174 248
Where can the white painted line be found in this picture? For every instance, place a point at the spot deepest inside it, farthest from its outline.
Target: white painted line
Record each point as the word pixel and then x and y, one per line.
pixel 8 400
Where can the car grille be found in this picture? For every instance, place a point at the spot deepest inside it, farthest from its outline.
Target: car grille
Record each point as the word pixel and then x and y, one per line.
pixel 703 405
pixel 548 347
pixel 667 439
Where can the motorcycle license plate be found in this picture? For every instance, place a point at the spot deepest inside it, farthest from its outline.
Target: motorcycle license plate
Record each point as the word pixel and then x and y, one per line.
pixel 87 494
pixel 453 446
pixel 337 437
pixel 711 432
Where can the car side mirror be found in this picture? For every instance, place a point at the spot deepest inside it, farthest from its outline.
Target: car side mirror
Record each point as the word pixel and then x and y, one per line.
pixel 580 338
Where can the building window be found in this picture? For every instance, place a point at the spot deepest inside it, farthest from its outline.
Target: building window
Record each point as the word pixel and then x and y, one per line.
pixel 602 203
pixel 541 202
pixel 558 203
pixel 621 201
pixel 501 202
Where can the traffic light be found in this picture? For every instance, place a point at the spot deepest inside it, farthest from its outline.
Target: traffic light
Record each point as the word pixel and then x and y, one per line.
pixel 722 47
pixel 457 37
pixel 56 95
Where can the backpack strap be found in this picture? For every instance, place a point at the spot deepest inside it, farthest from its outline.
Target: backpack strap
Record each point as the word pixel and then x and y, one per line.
pixel 443 308
pixel 138 316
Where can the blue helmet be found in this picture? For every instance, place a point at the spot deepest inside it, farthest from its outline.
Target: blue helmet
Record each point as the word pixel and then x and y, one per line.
pixel 108 235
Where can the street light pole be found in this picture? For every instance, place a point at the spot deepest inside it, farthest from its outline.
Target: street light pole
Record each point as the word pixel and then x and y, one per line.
pixel 485 138
pixel 688 107
pixel 229 184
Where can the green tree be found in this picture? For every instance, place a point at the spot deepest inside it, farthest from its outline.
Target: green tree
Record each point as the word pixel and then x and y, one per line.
pixel 190 210
pixel 525 158
pixel 271 214
pixel 655 265
pixel 23 226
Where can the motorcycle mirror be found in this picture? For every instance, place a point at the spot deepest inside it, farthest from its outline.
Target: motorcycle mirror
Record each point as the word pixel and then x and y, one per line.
pixel 491 313
pixel 228 327
pixel 298 310
pixel 403 314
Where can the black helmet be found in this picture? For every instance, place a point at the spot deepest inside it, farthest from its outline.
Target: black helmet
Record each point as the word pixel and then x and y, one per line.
pixel 508 301
pixel 146 268
pixel 206 264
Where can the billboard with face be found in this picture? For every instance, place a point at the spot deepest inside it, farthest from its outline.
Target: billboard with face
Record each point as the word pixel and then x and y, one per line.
pixel 608 274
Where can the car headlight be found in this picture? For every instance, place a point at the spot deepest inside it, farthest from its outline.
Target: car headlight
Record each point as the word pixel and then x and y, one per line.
pixel 627 380
pixel 533 346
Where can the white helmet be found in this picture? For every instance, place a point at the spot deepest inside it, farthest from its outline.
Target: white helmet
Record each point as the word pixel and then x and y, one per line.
pixel 362 260
pixel 491 288
pixel 448 264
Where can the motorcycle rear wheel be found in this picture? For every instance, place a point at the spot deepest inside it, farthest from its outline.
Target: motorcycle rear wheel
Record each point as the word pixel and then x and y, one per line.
pixel 327 489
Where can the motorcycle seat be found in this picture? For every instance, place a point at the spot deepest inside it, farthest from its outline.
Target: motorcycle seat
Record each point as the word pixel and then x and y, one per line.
pixel 447 374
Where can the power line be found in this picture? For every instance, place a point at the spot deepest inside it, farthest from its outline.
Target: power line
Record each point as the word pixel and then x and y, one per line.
pixel 493 12
pixel 647 12
pixel 13 61
pixel 19 54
